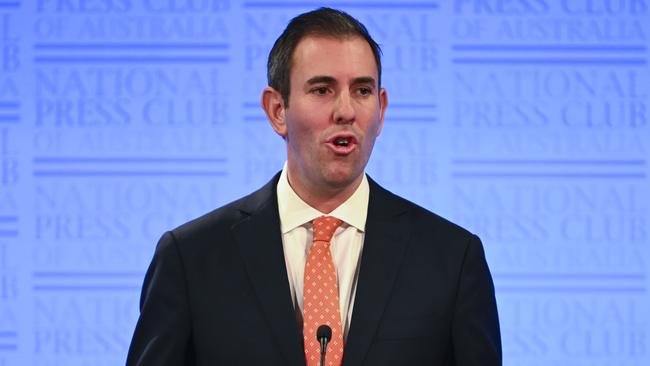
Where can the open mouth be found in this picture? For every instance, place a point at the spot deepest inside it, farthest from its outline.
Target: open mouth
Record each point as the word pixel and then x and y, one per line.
pixel 343 144
pixel 342 141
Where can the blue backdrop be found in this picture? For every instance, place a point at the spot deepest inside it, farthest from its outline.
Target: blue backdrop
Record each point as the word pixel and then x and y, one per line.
pixel 526 121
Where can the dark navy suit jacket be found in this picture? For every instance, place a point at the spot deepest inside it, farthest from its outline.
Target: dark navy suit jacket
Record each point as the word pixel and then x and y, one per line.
pixel 217 292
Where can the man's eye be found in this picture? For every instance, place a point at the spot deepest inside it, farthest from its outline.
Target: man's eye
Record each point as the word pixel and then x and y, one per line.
pixel 365 91
pixel 321 90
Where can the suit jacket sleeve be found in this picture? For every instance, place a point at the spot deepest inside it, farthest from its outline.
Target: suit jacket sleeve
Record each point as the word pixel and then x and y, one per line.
pixel 162 334
pixel 475 330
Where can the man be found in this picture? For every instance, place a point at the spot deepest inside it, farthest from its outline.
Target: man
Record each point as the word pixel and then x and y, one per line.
pixel 250 283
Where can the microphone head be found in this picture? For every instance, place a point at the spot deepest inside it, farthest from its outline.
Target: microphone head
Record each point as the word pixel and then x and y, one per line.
pixel 324 331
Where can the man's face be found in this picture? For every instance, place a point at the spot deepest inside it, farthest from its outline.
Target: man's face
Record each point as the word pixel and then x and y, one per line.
pixel 335 112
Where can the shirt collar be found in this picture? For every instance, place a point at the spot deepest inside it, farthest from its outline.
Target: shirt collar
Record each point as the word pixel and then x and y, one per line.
pixel 295 212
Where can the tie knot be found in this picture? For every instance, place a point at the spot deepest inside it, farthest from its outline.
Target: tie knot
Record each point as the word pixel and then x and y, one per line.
pixel 324 227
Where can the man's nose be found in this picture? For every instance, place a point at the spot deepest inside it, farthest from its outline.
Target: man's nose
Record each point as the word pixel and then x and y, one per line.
pixel 344 111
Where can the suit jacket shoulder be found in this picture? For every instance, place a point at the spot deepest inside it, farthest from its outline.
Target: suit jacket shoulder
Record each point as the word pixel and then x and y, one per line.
pixel 216 223
pixel 423 221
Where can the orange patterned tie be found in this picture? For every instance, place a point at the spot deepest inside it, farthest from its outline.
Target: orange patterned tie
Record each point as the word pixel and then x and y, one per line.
pixel 321 295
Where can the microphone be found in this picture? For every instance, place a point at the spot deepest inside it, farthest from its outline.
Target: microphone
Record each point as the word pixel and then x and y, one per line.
pixel 323 335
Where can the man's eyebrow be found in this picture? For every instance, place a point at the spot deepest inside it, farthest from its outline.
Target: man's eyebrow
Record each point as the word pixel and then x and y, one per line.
pixel 364 80
pixel 321 79
pixel 330 80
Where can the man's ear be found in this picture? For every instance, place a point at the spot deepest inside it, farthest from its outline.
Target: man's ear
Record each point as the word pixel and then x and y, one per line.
pixel 274 108
pixel 383 104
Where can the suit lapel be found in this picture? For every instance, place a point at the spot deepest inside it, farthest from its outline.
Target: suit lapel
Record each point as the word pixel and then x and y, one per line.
pixel 387 234
pixel 260 243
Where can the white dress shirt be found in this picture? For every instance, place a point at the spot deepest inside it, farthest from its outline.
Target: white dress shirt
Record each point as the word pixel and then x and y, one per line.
pixel 346 244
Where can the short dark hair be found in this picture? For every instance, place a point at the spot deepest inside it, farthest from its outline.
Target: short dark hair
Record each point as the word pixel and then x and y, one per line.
pixel 323 22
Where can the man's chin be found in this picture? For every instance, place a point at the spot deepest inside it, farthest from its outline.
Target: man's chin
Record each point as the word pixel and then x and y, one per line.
pixel 343 178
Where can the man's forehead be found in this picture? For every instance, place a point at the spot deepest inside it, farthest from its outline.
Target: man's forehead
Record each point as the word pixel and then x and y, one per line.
pixel 315 43
pixel 322 39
